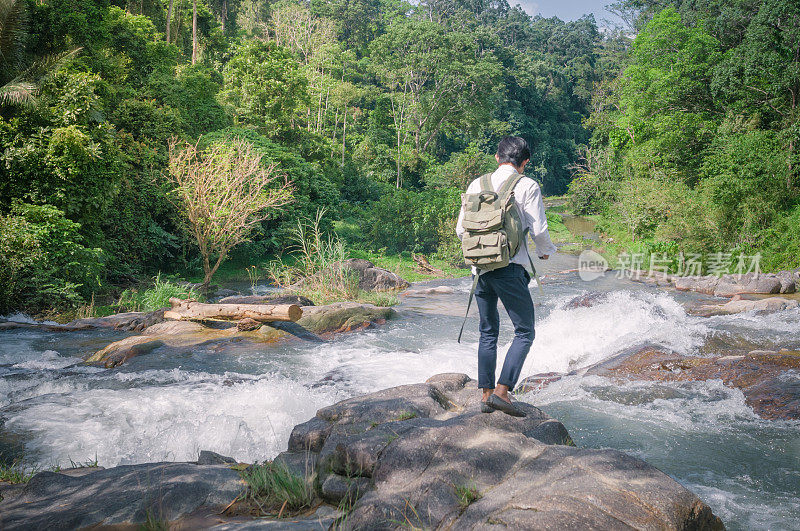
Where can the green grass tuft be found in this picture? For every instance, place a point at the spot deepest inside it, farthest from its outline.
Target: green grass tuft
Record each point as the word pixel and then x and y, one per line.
pixel 274 489
pixel 15 473
pixel 467 493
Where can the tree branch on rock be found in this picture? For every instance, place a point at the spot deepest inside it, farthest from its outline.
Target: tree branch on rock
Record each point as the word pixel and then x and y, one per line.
pixel 223 191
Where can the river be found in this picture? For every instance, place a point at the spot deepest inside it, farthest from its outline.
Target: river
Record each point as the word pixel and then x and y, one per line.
pixel 242 399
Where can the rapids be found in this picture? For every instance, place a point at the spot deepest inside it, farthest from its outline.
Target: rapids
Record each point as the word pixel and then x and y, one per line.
pixel 242 400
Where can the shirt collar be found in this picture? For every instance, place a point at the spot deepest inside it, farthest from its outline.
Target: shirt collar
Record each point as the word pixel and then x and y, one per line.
pixel 505 170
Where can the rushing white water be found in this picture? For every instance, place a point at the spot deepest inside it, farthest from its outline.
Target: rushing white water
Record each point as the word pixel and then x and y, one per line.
pixel 244 399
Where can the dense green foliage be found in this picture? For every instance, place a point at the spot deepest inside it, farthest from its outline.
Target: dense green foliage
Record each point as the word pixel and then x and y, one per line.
pixel 695 134
pixel 380 111
pixel 376 110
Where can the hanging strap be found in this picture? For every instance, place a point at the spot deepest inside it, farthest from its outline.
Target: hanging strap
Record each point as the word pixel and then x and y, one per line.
pixel 530 259
pixel 469 303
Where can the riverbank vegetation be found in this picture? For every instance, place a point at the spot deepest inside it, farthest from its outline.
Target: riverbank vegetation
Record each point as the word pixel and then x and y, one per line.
pixel 681 133
pixel 378 111
pixel 695 135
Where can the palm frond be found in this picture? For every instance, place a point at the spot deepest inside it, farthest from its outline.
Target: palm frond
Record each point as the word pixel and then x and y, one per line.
pixel 46 66
pixel 18 93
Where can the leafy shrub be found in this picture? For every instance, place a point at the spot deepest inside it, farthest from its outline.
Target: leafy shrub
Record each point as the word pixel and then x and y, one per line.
pixel 584 194
pixel 43 261
pixel 462 168
pixel 406 220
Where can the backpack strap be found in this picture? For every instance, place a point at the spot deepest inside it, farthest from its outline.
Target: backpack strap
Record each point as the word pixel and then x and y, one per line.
pixel 508 186
pixel 486 183
pixel 469 302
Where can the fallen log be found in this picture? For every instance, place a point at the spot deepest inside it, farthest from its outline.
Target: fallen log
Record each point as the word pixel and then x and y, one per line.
pixel 190 310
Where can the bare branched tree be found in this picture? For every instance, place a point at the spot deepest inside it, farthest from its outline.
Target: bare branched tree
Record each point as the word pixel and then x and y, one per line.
pixel 223 191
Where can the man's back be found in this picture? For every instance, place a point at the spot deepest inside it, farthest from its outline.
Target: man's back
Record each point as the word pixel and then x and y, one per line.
pixel 528 197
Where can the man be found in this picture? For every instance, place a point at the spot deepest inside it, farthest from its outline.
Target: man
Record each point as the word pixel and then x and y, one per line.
pixel 509 283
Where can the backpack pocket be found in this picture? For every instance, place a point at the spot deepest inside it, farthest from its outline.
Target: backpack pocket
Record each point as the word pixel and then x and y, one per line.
pixel 485 220
pixel 486 251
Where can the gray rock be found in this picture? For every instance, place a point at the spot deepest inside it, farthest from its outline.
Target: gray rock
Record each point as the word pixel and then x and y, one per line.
pixel 123 494
pixel 336 488
pixel 322 520
pixel 414 445
pixel 301 464
pixel 212 458
pixel 739 305
pixel 379 279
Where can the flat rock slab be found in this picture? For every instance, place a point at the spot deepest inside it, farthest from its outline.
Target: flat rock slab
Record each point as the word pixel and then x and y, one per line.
pixel 123 494
pixel 729 285
pixel 739 305
pixel 768 379
pixel 317 320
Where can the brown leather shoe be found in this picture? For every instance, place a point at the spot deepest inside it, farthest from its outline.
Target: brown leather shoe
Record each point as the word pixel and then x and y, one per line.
pixel 498 403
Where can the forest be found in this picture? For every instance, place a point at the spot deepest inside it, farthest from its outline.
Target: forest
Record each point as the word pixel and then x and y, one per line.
pixel 678 132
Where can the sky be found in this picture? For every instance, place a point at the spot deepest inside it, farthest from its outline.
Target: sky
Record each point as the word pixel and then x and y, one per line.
pixel 568 9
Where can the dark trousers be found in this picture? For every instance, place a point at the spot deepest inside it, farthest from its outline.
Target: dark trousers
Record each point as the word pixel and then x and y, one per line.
pixel 510 285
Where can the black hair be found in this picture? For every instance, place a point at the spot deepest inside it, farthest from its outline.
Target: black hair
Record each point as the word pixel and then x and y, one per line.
pixel 513 149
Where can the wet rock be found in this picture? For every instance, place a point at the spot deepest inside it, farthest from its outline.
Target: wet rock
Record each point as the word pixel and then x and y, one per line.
pixel 120 495
pixel 343 317
pixel 768 379
pixel 586 301
pixel 248 325
pixel 154 337
pixel 424 292
pixel 413 446
pixel 729 285
pixel 130 321
pixel 537 382
pixel 121 351
pixel 208 457
pixel 739 305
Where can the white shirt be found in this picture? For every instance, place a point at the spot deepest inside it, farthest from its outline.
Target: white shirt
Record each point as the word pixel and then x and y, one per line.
pixel 528 197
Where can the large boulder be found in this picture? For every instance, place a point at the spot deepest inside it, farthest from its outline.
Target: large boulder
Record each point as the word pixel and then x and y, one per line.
pixel 423 456
pixel 343 317
pixel 127 494
pixel 373 278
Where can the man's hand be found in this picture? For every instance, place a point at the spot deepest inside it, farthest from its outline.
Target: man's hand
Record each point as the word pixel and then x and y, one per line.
pixel 545 257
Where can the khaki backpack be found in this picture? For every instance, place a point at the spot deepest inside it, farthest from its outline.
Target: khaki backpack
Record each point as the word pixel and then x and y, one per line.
pixel 493 230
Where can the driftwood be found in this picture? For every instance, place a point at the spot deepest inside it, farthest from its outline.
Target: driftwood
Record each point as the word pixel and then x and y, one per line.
pixel 424 266
pixel 190 310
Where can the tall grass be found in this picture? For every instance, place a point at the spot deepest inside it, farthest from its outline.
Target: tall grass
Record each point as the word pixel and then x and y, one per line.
pixel 317 273
pixel 155 297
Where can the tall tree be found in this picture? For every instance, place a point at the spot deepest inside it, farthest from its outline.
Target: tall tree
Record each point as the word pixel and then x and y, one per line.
pixel 169 20
pixel 194 31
